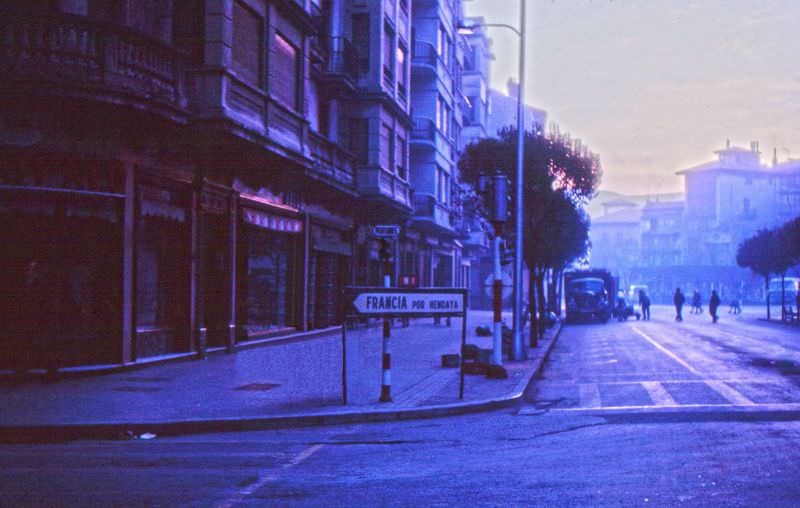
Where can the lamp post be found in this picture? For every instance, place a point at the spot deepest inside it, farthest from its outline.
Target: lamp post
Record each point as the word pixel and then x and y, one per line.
pixel 517 350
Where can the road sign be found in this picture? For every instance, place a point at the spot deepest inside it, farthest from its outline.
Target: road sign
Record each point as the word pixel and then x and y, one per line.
pixel 406 302
pixel 386 231
pixel 488 285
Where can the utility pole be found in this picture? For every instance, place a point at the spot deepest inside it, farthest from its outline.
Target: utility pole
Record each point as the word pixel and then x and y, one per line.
pixel 499 215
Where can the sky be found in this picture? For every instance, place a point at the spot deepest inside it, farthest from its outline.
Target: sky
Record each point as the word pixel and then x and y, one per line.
pixel 655 86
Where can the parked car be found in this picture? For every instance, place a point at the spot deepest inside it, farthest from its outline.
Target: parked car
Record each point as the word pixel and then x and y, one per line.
pixel 623 309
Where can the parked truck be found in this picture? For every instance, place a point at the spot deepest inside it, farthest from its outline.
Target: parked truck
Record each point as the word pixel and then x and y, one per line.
pixel 589 295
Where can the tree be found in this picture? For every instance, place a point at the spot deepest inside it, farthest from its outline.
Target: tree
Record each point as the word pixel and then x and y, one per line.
pixel 558 177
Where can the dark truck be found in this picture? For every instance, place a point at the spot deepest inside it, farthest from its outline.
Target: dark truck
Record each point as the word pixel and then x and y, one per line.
pixel 589 295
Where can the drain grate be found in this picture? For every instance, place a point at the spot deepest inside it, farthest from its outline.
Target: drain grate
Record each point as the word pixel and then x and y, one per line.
pixel 257 387
pixel 143 389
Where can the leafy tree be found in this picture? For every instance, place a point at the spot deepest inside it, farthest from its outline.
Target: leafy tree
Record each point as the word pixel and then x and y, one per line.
pixel 558 177
pixel 752 253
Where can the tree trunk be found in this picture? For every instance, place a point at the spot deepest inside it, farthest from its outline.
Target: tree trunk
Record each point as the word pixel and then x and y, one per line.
pixel 766 292
pixel 783 297
pixel 541 301
pixel 532 309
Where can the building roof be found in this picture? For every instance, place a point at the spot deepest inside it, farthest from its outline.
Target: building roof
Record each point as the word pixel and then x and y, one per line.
pixel 663 205
pixel 619 202
pixel 627 216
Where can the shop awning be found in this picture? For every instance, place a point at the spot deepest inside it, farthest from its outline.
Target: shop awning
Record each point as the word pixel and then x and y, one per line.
pixel 272 222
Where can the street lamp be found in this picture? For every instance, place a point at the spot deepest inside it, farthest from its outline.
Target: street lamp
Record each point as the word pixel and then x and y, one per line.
pixel 517 350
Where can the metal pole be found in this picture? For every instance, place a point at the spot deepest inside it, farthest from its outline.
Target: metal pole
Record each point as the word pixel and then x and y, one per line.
pixel 386 384
pixel 517 348
pixel 497 299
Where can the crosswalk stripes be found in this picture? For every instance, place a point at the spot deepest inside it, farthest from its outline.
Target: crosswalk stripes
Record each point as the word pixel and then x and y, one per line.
pixel 733 396
pixel 659 395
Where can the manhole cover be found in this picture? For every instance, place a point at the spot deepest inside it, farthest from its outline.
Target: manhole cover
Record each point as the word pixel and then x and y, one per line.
pixel 136 389
pixel 258 387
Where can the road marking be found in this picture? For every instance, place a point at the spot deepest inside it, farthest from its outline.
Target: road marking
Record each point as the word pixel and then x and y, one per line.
pixel 729 393
pixel 253 487
pixel 659 394
pixel 666 351
pixel 589 395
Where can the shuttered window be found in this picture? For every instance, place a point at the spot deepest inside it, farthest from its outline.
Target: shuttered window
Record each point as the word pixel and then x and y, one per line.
pixel 285 70
pixel 246 52
pixel 386 147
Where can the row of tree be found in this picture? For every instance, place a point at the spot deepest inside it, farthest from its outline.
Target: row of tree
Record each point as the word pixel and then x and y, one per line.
pixel 559 177
pixel 772 252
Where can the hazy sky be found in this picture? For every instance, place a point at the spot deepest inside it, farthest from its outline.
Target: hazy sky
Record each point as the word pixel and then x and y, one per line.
pixel 655 86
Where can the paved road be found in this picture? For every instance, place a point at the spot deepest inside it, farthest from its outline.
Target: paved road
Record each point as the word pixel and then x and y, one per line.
pixel 627 414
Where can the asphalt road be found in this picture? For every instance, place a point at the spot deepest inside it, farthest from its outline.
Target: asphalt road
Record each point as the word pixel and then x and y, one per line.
pixel 626 414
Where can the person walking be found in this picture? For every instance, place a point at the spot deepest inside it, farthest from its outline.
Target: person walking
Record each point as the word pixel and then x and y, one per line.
pixel 697 306
pixel 678 299
pixel 713 304
pixel 644 303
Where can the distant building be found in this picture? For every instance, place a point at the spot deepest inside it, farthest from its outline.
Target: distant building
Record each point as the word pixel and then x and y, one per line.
pixel 503 111
pixel 616 238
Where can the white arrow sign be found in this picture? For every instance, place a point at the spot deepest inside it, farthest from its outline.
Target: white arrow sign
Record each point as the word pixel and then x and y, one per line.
pixel 398 303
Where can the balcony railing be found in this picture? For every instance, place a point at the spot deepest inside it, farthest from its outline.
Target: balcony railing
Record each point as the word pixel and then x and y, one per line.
pixel 331 161
pixel 74 52
pixel 427 207
pixel 424 54
pixel 424 129
pixel 342 58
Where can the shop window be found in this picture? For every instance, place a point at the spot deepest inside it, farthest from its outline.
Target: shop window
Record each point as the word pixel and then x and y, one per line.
pixel 247 42
pixel 270 281
pixel 285 72
pixel 161 274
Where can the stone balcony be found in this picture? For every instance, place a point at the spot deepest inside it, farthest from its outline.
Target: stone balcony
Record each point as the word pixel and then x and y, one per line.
pixel 69 55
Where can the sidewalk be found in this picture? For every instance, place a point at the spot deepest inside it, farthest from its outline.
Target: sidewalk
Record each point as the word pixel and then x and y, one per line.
pixel 290 383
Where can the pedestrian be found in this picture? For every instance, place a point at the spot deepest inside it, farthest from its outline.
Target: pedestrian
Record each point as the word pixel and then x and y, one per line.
pixel 644 302
pixel 697 306
pixel 678 299
pixel 713 304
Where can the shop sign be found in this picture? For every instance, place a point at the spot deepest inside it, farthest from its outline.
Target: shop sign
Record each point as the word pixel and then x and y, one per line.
pixel 160 203
pixel 272 222
pixel 386 231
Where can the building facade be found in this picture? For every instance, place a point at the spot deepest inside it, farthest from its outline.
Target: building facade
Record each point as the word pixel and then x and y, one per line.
pixel 182 173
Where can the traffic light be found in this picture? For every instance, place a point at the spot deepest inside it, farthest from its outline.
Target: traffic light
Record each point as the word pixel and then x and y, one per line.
pixel 384 252
pixel 506 253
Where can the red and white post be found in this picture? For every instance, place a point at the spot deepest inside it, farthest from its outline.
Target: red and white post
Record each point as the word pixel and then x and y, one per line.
pixel 386 378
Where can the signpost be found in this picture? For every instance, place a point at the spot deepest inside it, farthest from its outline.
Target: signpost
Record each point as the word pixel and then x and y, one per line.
pixel 386 303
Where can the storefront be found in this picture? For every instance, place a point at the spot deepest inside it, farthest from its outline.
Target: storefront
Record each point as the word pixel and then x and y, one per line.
pixel 162 267
pixel 60 262
pixel 270 270
pixel 329 272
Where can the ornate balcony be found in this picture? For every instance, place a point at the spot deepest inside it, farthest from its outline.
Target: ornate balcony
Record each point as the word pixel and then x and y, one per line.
pixel 70 55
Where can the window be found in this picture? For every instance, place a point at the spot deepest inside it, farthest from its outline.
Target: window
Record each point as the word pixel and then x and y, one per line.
pixel 443 46
pixel 246 51
pixel 386 147
pixel 401 70
pixel 400 157
pixel 442 186
pixel 285 67
pixel 359 140
pixel 443 116
pixel 361 41
pixel 388 54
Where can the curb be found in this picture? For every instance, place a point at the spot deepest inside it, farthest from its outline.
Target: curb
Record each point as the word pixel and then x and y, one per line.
pixel 118 430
